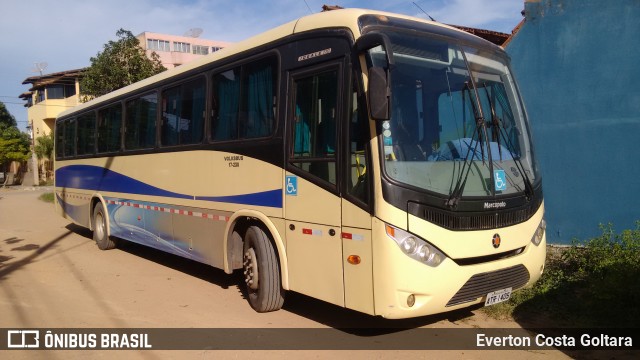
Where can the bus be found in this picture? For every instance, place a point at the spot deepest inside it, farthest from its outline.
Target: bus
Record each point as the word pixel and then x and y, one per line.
pixel 375 161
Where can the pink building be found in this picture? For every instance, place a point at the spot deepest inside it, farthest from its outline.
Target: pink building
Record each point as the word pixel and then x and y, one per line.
pixel 177 50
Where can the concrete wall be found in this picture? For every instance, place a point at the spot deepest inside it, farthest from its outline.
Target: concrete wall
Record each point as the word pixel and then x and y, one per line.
pixel 578 66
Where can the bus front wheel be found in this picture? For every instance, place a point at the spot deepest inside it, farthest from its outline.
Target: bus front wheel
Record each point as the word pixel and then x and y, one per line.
pixel 100 234
pixel 261 271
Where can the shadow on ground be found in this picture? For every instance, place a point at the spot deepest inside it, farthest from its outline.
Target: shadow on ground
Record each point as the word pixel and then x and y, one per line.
pixel 319 311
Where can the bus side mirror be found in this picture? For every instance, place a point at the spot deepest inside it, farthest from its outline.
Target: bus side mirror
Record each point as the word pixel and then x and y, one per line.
pixel 379 90
pixel 378 93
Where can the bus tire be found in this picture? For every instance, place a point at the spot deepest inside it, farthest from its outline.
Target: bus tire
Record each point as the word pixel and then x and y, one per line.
pixel 104 241
pixel 261 271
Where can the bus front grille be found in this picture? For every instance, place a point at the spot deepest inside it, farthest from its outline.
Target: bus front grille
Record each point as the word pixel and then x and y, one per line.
pixel 483 220
pixel 481 284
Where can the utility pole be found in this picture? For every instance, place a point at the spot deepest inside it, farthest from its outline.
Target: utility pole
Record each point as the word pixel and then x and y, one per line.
pixel 34 157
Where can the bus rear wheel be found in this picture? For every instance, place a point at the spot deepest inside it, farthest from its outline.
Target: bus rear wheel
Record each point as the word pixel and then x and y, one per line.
pixel 104 241
pixel 261 271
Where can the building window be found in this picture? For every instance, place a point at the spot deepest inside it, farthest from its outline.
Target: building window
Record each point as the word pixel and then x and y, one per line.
pixel 200 50
pixel 216 48
pixel 181 47
pixel 39 96
pixel 60 91
pixel 157 45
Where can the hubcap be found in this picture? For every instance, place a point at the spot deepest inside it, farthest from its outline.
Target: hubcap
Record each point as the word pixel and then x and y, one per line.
pixel 99 226
pixel 251 269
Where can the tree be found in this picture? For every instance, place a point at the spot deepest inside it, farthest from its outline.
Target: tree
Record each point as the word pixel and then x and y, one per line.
pixel 44 150
pixel 121 63
pixel 5 117
pixel 44 147
pixel 14 145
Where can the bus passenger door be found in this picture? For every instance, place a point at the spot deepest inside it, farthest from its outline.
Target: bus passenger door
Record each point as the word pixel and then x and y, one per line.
pixel 312 200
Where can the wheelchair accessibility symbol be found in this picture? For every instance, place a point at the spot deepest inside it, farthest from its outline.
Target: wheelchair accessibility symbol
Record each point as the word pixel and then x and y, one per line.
pixel 500 180
pixel 292 185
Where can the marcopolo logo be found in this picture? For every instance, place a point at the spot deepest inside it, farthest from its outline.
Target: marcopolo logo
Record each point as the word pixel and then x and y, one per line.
pixel 495 205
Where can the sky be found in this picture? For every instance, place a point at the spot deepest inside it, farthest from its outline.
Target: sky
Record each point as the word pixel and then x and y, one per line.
pixel 67 33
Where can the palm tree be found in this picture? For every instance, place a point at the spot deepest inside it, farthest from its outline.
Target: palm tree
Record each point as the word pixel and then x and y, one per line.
pixel 44 151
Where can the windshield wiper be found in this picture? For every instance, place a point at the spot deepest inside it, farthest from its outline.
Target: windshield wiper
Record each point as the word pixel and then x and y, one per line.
pixel 497 131
pixel 495 122
pixel 456 194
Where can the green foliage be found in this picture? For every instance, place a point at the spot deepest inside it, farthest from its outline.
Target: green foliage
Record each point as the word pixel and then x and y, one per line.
pixel 589 284
pixel 46 197
pixel 121 63
pixel 44 146
pixel 5 117
pixel 14 145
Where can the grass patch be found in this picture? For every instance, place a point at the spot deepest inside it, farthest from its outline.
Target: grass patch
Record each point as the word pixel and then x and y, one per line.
pixel 48 182
pixel 46 197
pixel 593 283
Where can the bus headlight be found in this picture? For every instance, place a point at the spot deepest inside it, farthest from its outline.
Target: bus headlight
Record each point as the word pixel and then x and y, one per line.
pixel 415 247
pixel 537 236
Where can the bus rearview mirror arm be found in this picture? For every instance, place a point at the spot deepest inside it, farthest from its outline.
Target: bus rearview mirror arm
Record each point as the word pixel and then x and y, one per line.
pixel 378 77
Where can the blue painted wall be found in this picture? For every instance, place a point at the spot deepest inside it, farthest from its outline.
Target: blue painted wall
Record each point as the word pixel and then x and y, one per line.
pixel 578 66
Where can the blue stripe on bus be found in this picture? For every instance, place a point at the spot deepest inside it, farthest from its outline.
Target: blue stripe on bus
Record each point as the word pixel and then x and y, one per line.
pixel 97 178
pixel 271 198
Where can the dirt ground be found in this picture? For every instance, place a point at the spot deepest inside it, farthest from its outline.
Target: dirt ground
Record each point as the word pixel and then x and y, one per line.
pixel 52 275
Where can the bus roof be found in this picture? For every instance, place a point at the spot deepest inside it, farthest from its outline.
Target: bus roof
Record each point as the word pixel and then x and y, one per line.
pixel 343 18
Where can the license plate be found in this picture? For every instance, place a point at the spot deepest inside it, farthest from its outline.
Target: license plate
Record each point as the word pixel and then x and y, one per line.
pixel 498 296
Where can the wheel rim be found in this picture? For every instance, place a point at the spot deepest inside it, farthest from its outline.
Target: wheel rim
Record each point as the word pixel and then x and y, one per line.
pixel 99 226
pixel 251 269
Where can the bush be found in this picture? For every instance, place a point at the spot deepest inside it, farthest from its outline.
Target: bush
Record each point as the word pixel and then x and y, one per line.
pixel 47 197
pixel 589 284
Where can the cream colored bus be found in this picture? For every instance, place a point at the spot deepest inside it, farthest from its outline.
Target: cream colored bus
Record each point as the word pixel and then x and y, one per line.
pixel 375 161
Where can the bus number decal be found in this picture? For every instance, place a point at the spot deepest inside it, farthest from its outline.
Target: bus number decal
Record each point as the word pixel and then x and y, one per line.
pixel 234 161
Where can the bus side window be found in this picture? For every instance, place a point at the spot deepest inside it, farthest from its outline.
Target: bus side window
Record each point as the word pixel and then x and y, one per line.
pixel 59 139
pixel 226 93
pixel 70 137
pixel 357 185
pixel 86 133
pixel 314 130
pixel 183 113
pixel 109 128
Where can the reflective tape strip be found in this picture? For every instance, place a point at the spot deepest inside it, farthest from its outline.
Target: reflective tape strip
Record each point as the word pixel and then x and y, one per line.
pixel 169 210
pixel 350 236
pixel 313 232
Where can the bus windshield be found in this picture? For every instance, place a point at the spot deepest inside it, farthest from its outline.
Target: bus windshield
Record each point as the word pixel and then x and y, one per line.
pixel 457 124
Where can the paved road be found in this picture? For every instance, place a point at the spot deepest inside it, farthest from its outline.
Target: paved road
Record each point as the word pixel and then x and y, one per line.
pixel 52 275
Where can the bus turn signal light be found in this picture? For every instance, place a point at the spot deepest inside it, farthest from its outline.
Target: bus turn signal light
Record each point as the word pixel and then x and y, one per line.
pixel 354 259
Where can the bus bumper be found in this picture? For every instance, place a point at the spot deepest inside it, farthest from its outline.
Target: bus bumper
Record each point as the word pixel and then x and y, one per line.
pixel 405 288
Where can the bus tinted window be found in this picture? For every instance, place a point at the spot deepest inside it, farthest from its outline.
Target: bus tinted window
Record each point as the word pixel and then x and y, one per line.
pixel 259 82
pixel 314 125
pixel 244 101
pixel 109 125
pixel 59 139
pixel 183 110
pixel 226 90
pixel 140 129
pixel 69 137
pixel 86 134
